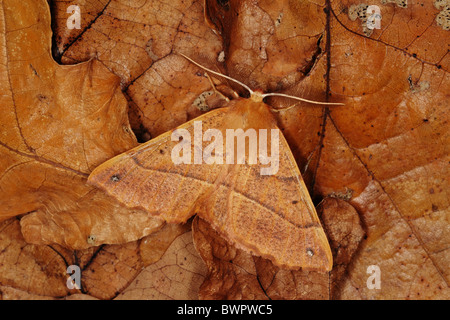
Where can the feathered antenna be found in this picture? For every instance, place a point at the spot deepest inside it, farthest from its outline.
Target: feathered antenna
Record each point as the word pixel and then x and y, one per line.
pixel 255 95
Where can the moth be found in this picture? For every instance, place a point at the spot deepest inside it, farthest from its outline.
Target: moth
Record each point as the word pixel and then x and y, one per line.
pixel 268 213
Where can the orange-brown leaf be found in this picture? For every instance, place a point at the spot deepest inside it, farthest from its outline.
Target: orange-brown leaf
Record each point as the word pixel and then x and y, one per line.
pixel 58 123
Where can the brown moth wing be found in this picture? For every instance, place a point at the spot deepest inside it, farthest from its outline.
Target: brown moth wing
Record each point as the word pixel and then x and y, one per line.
pixel 271 215
pixel 146 177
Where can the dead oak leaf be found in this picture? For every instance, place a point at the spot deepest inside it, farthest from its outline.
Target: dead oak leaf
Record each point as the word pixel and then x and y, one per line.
pixel 232 273
pixel 177 275
pixel 135 42
pixel 30 271
pixel 59 122
pixel 269 45
pixel 128 37
pixel 346 232
pixel 390 146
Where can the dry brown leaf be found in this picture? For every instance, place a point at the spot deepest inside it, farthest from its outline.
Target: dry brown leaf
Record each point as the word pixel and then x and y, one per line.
pixel 29 271
pixel 67 120
pixel 345 231
pixel 269 45
pixel 153 246
pixel 232 273
pixel 108 270
pixel 136 43
pixel 176 276
pixel 390 146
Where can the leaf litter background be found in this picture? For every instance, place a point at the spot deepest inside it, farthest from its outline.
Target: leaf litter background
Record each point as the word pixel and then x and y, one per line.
pixel 377 167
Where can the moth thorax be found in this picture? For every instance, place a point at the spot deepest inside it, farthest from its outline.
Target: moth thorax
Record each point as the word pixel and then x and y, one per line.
pixel 256 96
